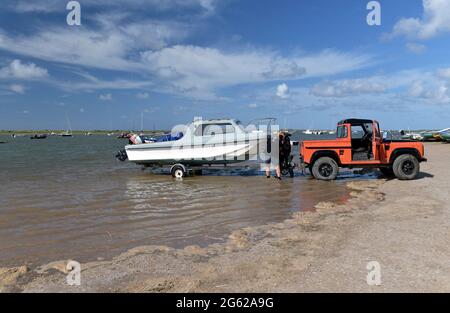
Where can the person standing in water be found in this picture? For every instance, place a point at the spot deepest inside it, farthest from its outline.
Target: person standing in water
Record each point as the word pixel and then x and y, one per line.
pixel 269 160
pixel 285 149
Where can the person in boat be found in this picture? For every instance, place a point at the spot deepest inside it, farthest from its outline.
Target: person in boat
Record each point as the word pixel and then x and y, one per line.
pixel 269 160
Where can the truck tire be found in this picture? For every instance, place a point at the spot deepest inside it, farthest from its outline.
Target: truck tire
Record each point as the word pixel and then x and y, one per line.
pixel 387 171
pixel 178 171
pixel 325 168
pixel 406 167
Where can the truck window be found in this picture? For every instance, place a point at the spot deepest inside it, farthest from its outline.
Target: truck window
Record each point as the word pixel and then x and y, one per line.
pixel 357 132
pixel 342 132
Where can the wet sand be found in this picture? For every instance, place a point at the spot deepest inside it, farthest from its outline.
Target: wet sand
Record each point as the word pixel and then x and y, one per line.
pixel 405 226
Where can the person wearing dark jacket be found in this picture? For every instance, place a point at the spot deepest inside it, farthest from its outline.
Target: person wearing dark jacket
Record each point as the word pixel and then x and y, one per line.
pixel 285 148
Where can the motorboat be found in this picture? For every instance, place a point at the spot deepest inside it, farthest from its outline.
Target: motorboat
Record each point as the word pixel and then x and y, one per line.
pixel 124 136
pixel 41 136
pixel 411 136
pixel 442 134
pixel 314 132
pixel 202 143
pixel 66 134
pixel 433 135
pixel 445 135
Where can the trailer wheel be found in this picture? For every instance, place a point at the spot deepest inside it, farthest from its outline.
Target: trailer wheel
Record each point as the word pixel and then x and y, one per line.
pixel 406 167
pixel 325 168
pixel 178 171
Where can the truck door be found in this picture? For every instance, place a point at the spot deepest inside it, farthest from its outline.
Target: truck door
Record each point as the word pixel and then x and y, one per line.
pixel 376 142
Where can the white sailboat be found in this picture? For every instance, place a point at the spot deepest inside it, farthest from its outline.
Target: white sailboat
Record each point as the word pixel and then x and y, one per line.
pixel 68 132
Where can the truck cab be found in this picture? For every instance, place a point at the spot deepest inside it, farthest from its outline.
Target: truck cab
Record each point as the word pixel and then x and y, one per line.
pixel 359 144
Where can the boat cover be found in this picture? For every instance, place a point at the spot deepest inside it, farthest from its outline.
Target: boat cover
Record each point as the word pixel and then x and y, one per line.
pixel 170 137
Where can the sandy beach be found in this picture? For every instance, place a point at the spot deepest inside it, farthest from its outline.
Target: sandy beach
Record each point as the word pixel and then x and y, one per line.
pixel 403 225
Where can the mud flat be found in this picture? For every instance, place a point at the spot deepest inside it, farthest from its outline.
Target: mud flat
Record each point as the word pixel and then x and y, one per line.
pixel 405 226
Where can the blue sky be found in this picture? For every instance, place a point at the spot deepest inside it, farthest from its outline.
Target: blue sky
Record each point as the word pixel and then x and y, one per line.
pixel 308 63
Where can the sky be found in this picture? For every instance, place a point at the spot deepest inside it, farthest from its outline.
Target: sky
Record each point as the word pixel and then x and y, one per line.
pixel 309 63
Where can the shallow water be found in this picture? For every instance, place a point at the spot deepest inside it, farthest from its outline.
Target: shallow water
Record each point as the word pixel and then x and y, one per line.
pixel 66 198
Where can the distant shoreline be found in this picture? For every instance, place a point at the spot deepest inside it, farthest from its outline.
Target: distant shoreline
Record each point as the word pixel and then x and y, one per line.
pixel 77 132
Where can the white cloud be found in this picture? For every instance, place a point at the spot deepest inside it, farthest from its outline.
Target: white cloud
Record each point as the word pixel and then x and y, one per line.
pixel 284 69
pixel 416 48
pixel 110 47
pixel 416 89
pixel 282 91
pixel 17 88
pixel 148 48
pixel 435 92
pixel 253 106
pixel 80 47
pixel 435 21
pixel 36 6
pixel 143 95
pixel 48 6
pixel 397 91
pixel 200 72
pixel 444 73
pixel 17 70
pixel 434 87
pixel 119 84
pixel 347 87
pixel 105 97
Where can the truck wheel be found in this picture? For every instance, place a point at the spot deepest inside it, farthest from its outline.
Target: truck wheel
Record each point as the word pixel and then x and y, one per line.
pixel 178 171
pixel 406 167
pixel 325 168
pixel 387 171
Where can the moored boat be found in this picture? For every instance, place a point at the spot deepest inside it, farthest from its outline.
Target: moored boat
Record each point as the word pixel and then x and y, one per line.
pixel 40 136
pixel 434 135
pixel 445 136
pixel 66 134
pixel 428 135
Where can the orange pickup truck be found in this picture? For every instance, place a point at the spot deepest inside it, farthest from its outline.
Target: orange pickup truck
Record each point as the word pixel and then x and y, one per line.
pixel 359 144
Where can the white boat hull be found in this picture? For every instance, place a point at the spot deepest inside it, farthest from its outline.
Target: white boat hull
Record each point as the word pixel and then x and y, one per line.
pixel 207 154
